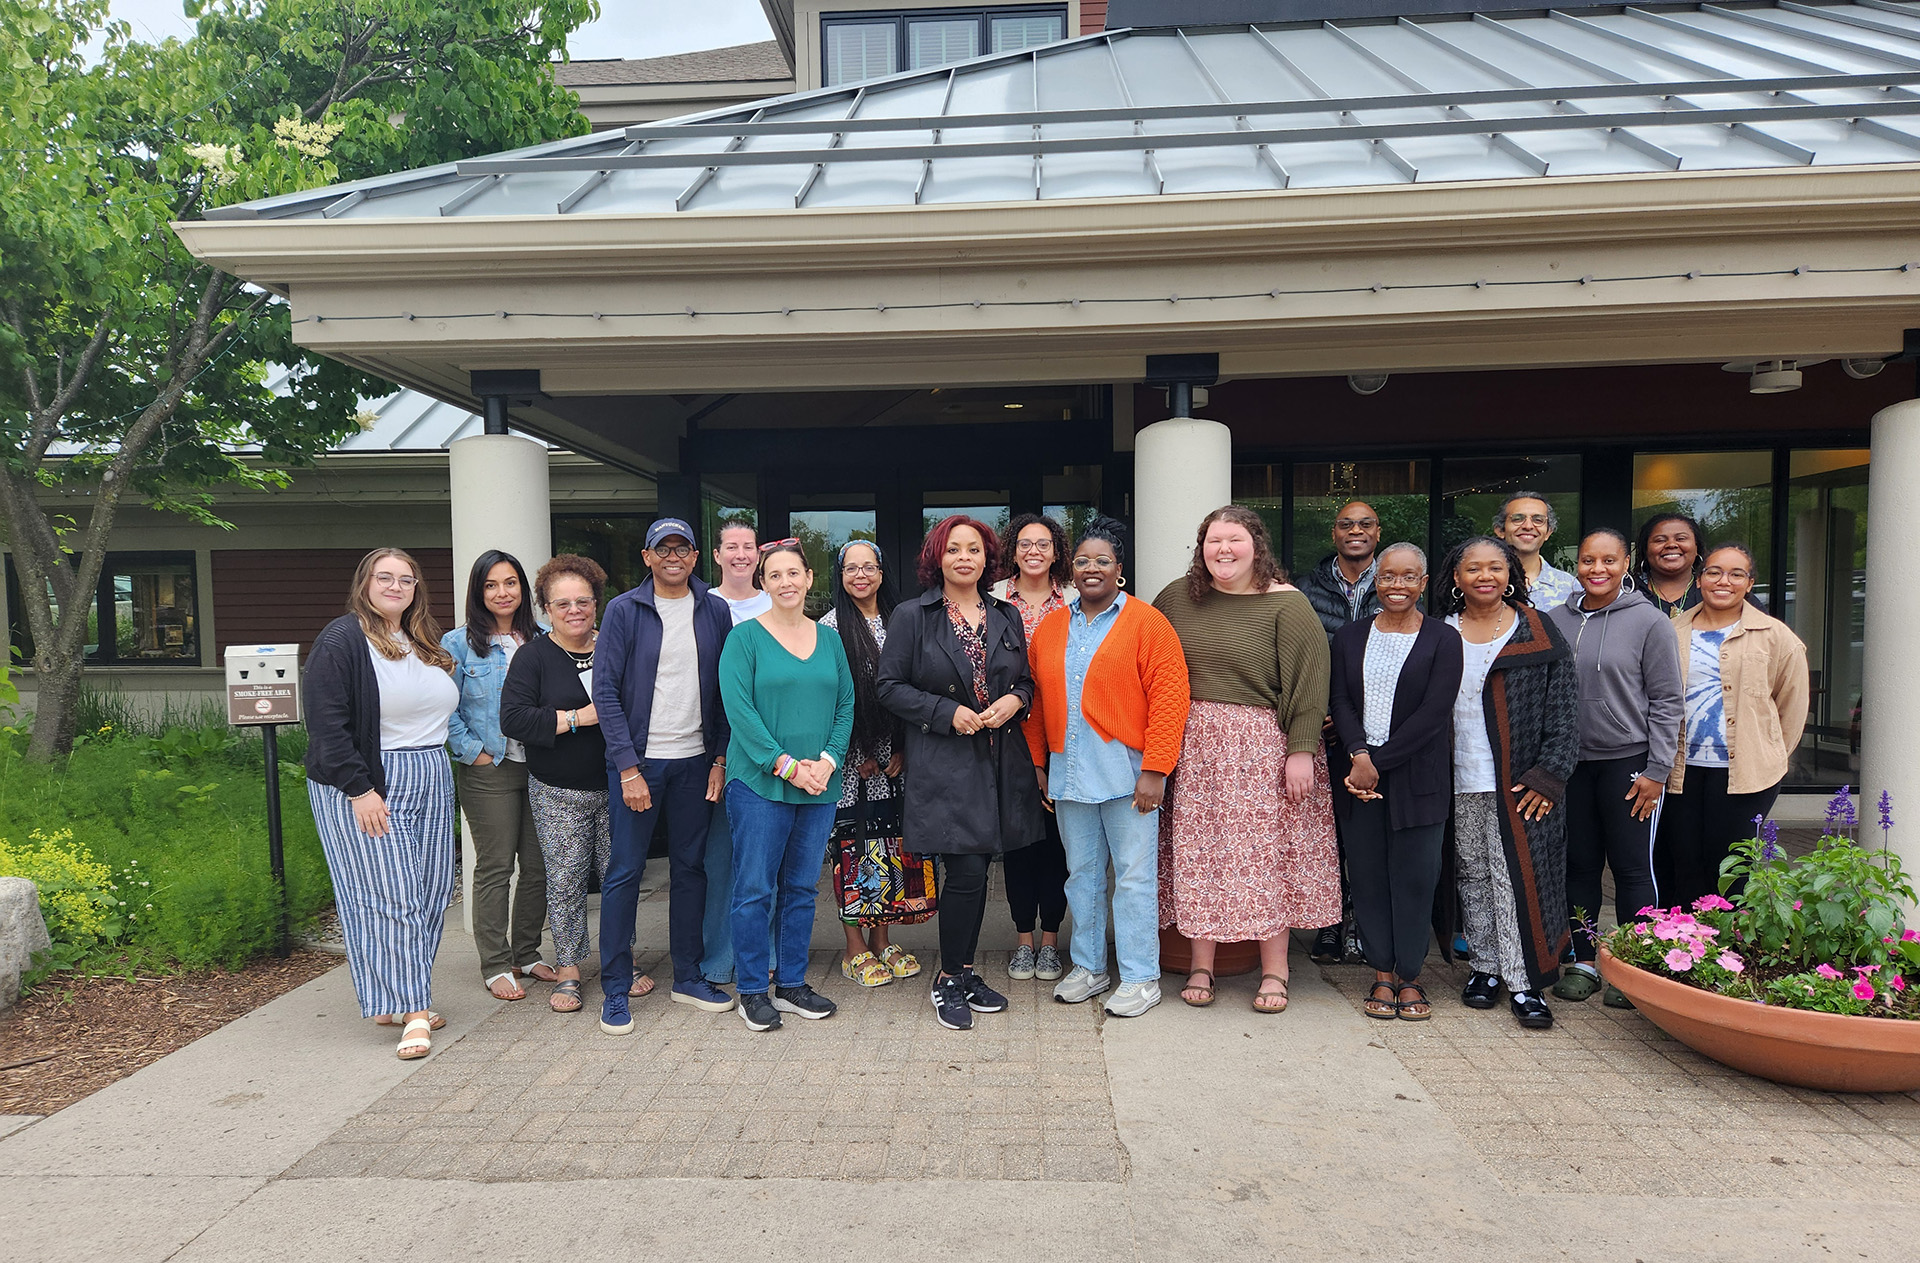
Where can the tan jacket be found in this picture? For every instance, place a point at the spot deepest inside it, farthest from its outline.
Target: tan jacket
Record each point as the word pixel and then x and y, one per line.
pixel 1763 671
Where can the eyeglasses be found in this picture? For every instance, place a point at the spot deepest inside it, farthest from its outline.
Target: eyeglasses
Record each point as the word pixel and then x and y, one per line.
pixel 567 607
pixel 1033 546
pixel 1094 563
pixel 1356 524
pixel 401 581
pixel 674 552
pixel 865 569
pixel 770 545
pixel 1526 519
pixel 1713 574
pixel 1399 580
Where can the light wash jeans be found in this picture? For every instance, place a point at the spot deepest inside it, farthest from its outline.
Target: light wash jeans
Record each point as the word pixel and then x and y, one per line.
pixel 1093 833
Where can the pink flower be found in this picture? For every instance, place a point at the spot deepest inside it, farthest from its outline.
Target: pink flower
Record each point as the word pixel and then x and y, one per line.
pixel 1796 905
pixel 1864 970
pixel 1827 971
pixel 1898 983
pixel 1910 936
pixel 1679 960
pixel 1863 990
pixel 1731 962
pixel 1711 903
pixel 1651 911
pixel 1698 948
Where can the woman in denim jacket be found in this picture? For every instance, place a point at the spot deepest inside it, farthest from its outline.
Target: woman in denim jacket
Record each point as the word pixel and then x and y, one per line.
pixel 492 776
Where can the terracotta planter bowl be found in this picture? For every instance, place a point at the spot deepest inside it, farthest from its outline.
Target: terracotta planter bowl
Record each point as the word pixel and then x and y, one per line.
pixel 1230 960
pixel 1827 1051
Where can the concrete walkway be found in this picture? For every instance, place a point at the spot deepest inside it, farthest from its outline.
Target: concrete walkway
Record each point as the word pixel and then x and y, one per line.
pixel 1048 1132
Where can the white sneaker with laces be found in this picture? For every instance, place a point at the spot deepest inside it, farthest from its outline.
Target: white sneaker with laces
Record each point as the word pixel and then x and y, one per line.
pixel 1081 985
pixel 1133 999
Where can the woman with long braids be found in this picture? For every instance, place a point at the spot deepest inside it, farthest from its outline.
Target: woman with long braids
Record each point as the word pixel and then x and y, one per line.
pixel 1629 728
pixel 862 601
pixel 1515 744
pixel 1246 832
pixel 955 669
pixel 1668 561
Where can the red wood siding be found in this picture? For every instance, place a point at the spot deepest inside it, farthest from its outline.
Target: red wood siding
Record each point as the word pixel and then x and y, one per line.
pixel 1093 16
pixel 279 595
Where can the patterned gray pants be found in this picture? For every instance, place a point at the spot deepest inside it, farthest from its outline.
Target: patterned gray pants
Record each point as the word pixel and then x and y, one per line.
pixel 1486 891
pixel 574 832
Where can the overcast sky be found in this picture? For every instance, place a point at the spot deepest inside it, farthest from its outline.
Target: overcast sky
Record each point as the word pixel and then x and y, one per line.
pixel 627 28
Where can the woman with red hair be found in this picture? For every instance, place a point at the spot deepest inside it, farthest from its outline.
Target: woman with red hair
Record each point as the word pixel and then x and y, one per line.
pixel 955 669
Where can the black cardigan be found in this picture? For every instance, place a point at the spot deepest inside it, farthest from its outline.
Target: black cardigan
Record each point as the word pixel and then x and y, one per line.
pixel 542 682
pixel 1416 762
pixel 343 710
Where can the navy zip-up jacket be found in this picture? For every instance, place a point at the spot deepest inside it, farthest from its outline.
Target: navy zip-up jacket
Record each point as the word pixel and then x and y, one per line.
pixel 627 657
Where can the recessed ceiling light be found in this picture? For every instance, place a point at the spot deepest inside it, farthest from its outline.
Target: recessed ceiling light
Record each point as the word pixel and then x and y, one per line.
pixel 1013 405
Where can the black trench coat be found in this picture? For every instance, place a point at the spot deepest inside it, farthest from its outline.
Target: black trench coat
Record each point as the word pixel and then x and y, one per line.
pixel 964 795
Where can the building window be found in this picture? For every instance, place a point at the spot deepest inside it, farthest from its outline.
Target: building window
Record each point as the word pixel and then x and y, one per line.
pixel 1473 488
pixel 1730 494
pixel 857 46
pixel 615 542
pixel 145 612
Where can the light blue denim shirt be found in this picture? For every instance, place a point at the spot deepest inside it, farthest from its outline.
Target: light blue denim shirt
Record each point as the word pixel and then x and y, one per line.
pixel 1089 769
pixel 475 726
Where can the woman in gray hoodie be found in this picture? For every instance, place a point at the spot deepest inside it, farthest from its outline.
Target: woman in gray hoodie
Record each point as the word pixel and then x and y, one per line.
pixel 1628 666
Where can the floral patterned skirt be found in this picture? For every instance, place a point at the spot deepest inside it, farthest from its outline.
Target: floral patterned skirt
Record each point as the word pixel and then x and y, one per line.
pixel 1237 860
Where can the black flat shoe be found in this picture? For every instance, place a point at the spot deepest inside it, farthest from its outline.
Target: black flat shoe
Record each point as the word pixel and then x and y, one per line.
pixel 1531 1010
pixel 1326 947
pixel 1481 992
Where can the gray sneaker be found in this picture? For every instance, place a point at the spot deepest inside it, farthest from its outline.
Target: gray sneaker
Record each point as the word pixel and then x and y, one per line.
pixel 1080 986
pixel 1020 964
pixel 1133 999
pixel 1047 966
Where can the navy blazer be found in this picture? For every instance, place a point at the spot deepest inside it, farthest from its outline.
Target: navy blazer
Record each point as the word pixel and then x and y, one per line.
pixel 1416 761
pixel 626 660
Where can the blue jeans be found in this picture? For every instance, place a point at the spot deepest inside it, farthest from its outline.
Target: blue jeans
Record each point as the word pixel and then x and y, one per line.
pixel 716 927
pixel 777 852
pixel 1091 833
pixel 679 788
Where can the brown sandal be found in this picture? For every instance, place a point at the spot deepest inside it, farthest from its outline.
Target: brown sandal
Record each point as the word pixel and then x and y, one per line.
pixel 1280 995
pixel 1194 986
pixel 1387 1009
pixel 1415 1010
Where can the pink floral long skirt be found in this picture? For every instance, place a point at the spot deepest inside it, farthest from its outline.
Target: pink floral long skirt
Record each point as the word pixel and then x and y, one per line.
pixel 1237 860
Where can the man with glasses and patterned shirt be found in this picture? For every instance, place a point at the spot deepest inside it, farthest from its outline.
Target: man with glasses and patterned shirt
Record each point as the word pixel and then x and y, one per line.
pixel 1341 591
pixel 1527 522
pixel 657 692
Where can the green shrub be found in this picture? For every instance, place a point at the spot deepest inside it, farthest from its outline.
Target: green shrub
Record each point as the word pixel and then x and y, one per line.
pixel 178 820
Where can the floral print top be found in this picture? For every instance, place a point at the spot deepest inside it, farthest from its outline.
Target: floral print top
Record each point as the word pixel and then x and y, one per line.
pixel 1031 614
pixel 973 643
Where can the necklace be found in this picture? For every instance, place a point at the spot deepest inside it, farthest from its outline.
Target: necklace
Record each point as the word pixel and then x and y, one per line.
pixel 1499 622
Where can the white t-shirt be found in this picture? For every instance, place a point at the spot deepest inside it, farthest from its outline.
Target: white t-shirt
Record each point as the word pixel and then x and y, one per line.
pixel 1380 672
pixel 516 752
pixel 1473 768
pixel 416 700
pixel 673 729
pixel 747 607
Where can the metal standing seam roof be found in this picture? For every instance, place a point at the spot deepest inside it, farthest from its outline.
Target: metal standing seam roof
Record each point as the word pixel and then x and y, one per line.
pixel 1173 110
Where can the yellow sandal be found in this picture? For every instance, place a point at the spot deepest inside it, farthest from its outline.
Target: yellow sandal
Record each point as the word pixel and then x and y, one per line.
pixel 866 970
pixel 899 961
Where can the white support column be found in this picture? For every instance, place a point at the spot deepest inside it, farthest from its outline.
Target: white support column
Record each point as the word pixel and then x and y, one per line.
pixel 500 500
pixel 1182 471
pixel 1890 686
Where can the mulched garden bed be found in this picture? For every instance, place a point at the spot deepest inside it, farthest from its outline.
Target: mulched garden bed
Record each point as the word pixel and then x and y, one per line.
pixel 74 1036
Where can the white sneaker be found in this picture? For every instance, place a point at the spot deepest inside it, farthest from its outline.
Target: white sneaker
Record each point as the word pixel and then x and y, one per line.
pixel 1080 986
pixel 1133 999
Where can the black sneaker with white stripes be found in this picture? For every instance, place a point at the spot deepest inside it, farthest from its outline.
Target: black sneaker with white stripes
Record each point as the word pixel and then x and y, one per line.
pixel 803 1001
pixel 758 1012
pixel 980 997
pixel 950 1004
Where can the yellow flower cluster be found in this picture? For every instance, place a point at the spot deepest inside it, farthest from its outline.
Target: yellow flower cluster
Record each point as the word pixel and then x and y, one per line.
pixel 314 139
pixel 74 887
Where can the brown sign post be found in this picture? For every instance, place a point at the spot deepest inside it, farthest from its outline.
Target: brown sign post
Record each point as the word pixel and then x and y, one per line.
pixel 263 691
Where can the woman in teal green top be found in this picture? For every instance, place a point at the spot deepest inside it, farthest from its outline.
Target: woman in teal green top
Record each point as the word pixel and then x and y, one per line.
pixel 789 699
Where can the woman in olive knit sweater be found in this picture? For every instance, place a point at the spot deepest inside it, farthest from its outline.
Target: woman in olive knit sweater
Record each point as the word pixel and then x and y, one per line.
pixel 1246 836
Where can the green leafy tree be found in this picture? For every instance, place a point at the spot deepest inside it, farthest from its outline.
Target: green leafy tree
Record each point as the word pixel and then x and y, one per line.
pixel 127 368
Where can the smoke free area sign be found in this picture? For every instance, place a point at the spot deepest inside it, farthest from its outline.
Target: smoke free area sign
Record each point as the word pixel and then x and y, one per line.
pixel 263 684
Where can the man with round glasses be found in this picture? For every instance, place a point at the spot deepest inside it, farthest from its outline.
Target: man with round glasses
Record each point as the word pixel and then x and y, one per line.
pixel 1527 522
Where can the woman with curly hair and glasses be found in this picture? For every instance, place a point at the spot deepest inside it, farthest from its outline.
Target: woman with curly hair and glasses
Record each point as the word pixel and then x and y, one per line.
pixel 1246 834
pixel 955 669
pixel 1037 558
pixel 380 692
pixel 1668 561
pixel 1515 743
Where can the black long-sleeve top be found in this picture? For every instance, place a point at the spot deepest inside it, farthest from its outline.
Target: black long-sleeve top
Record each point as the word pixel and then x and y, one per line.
pixel 1416 762
pixel 543 681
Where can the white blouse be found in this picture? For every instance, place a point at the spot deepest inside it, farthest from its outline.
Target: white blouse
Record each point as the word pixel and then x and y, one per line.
pixel 416 700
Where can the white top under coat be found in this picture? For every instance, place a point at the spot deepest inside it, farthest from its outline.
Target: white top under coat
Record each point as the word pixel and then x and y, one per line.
pixel 1473 768
pixel 416 700
pixel 1380 672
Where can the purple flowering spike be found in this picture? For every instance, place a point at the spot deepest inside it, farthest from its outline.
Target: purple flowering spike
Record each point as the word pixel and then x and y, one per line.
pixel 1886 812
pixel 1834 806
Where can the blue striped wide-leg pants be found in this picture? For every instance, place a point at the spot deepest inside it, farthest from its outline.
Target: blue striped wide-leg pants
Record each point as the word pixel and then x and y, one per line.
pixel 392 892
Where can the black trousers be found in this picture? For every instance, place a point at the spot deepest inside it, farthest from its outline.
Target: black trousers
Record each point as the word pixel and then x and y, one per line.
pixel 1393 874
pixel 1037 882
pixel 1602 834
pixel 1698 827
pixel 963 906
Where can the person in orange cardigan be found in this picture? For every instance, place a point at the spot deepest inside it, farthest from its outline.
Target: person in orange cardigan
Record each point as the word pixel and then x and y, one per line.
pixel 1109 707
